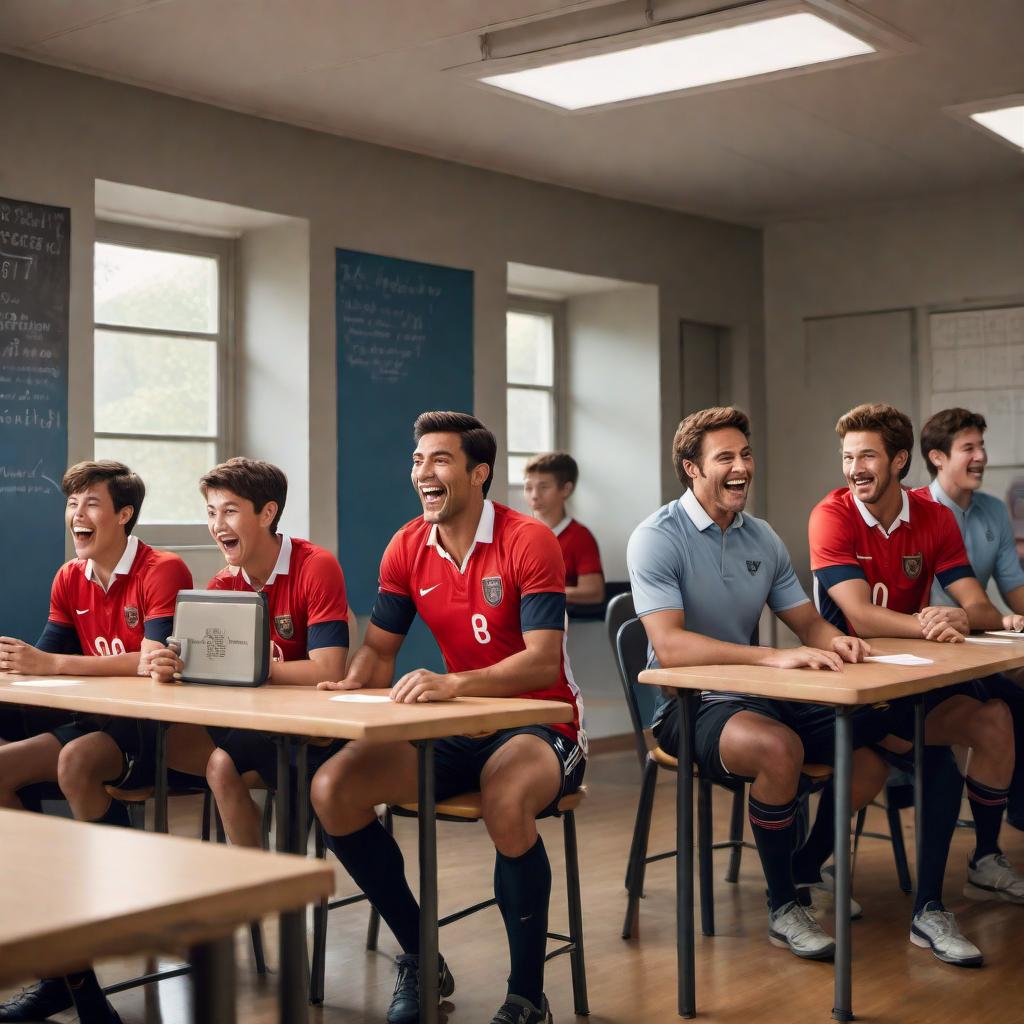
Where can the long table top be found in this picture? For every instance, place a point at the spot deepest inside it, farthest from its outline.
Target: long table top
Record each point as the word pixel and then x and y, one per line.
pixel 294 710
pixel 866 683
pixel 75 892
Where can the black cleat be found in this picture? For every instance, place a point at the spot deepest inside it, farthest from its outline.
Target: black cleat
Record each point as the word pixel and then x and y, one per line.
pixel 517 1010
pixel 405 1003
pixel 37 1002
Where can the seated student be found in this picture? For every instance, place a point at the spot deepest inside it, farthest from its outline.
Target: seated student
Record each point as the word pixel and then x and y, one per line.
pixel 115 599
pixel 548 482
pixel 309 631
pixel 702 571
pixel 875 548
pixel 490 585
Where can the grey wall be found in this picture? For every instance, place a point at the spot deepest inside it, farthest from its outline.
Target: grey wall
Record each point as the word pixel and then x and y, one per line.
pixel 64 130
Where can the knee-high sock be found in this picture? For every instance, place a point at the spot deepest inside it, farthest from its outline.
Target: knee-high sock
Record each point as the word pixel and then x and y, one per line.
pixel 943 785
pixel 987 806
pixel 522 887
pixel 375 862
pixel 774 828
pixel 818 845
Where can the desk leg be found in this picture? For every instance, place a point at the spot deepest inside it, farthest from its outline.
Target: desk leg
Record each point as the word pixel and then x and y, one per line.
pixel 918 788
pixel 842 782
pixel 429 995
pixel 292 928
pixel 160 782
pixel 213 981
pixel 686 973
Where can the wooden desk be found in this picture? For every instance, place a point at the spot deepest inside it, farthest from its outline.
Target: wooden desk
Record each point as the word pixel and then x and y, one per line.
pixel 297 712
pixel 75 892
pixel 856 685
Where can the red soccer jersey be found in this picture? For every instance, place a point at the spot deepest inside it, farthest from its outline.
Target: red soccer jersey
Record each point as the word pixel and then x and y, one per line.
pixel 579 551
pixel 138 603
pixel 306 596
pixel 510 583
pixel 924 543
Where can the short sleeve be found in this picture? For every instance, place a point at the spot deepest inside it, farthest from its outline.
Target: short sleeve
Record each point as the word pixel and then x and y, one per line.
pixel 221 581
pixel 538 562
pixel 588 557
pixel 323 589
pixel 950 556
pixel 393 609
pixel 60 606
pixel 656 571
pixel 161 585
pixel 833 546
pixel 394 568
pixel 786 590
pixel 1009 574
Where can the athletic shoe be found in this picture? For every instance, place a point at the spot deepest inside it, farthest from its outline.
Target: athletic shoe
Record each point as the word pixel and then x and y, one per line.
pixel 792 927
pixel 405 1003
pixel 992 878
pixel 936 928
pixel 517 1010
pixel 37 1002
pixel 815 897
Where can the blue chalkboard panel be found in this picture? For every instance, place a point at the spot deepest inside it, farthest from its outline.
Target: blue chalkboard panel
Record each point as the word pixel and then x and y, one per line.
pixel 34 289
pixel 405 345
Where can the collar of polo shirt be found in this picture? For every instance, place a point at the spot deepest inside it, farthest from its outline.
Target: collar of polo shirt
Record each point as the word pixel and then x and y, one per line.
pixel 123 566
pixel 903 517
pixel 484 535
pixel 944 499
pixel 284 557
pixel 699 517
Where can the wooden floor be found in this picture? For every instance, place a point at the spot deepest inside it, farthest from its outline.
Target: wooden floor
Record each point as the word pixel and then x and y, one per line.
pixel 740 977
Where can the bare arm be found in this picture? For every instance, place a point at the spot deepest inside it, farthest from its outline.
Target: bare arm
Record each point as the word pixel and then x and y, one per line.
pixel 867 619
pixel 1015 599
pixel 18 656
pixel 981 612
pixel 589 589
pixel 813 631
pixel 373 665
pixel 322 663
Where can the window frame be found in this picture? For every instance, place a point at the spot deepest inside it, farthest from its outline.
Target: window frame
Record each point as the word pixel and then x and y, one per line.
pixel 555 310
pixel 182 536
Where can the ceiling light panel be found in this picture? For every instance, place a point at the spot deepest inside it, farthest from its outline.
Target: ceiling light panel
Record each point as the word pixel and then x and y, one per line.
pixel 1007 123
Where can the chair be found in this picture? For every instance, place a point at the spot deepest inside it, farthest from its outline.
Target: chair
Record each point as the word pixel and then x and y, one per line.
pixel 464 808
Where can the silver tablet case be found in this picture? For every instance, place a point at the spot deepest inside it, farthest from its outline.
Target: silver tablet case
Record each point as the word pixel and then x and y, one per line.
pixel 224 637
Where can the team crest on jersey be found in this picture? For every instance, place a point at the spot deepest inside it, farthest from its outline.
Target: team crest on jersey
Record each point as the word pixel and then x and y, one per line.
pixel 752 567
pixel 131 616
pixel 284 626
pixel 492 590
pixel 912 565
pixel 989 536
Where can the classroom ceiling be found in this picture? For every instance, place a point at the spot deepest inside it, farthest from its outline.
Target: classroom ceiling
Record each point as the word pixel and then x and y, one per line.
pixel 374 69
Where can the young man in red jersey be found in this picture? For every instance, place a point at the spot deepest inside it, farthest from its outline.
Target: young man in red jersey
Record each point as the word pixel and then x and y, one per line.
pixel 113 601
pixel 875 548
pixel 305 591
pixel 490 585
pixel 548 482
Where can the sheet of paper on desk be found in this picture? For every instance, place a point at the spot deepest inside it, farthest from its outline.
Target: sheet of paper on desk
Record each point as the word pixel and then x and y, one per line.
pixel 1008 633
pixel 986 640
pixel 899 659
pixel 44 682
pixel 362 698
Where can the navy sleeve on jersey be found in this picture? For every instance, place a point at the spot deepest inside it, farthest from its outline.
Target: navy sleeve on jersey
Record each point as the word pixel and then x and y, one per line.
pixel 542 611
pixel 393 612
pixel 327 634
pixel 830 575
pixel 160 628
pixel 951 575
pixel 57 638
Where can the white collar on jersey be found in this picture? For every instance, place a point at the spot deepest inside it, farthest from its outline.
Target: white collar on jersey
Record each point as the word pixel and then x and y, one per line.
pixel 484 535
pixel 123 566
pixel 698 514
pixel 558 528
pixel 903 517
pixel 284 558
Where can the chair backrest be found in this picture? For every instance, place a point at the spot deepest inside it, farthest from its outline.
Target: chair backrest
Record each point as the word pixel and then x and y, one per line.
pixel 631 657
pixel 619 610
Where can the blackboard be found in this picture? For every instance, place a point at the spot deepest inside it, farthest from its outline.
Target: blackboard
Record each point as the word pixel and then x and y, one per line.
pixel 405 345
pixel 34 290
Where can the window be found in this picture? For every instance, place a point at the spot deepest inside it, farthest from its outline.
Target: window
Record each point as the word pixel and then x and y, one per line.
pixel 532 364
pixel 160 363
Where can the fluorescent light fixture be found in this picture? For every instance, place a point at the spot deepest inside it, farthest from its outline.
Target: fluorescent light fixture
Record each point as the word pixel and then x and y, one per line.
pixel 691 61
pixel 1006 122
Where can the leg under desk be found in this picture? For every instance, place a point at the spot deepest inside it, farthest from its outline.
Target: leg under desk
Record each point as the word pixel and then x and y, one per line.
pixel 213 981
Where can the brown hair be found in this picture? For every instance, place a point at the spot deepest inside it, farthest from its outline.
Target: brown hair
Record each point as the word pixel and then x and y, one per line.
pixel 689 439
pixel 253 479
pixel 938 433
pixel 125 487
pixel 561 465
pixel 479 444
pixel 895 428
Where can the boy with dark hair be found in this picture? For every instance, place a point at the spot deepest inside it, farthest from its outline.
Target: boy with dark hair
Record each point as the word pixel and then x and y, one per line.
pixel 548 482
pixel 305 591
pixel 490 585
pixel 113 601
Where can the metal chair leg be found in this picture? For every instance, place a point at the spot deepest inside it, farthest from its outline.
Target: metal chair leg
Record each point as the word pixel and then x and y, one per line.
pixel 641 835
pixel 318 968
pixel 899 850
pixel 577 959
pixel 739 802
pixel 706 866
pixel 256 931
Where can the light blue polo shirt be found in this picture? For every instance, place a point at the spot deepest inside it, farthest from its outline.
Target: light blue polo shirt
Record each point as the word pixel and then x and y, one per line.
pixel 679 559
pixel 988 537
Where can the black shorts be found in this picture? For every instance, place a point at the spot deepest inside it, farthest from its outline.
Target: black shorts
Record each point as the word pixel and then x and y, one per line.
pixel 459 761
pixel 22 723
pixel 257 752
pixel 814 724
pixel 901 710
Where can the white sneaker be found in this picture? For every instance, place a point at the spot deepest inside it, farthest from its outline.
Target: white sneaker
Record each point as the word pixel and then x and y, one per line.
pixel 818 896
pixel 992 878
pixel 936 928
pixel 792 927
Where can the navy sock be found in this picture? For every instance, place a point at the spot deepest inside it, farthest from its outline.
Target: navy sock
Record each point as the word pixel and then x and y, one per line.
pixel 774 828
pixel 375 862
pixel 522 887
pixel 817 847
pixel 90 1002
pixel 115 814
pixel 987 806
pixel 943 785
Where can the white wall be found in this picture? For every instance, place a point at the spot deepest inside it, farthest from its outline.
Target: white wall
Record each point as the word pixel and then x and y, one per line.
pixel 613 416
pixel 65 130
